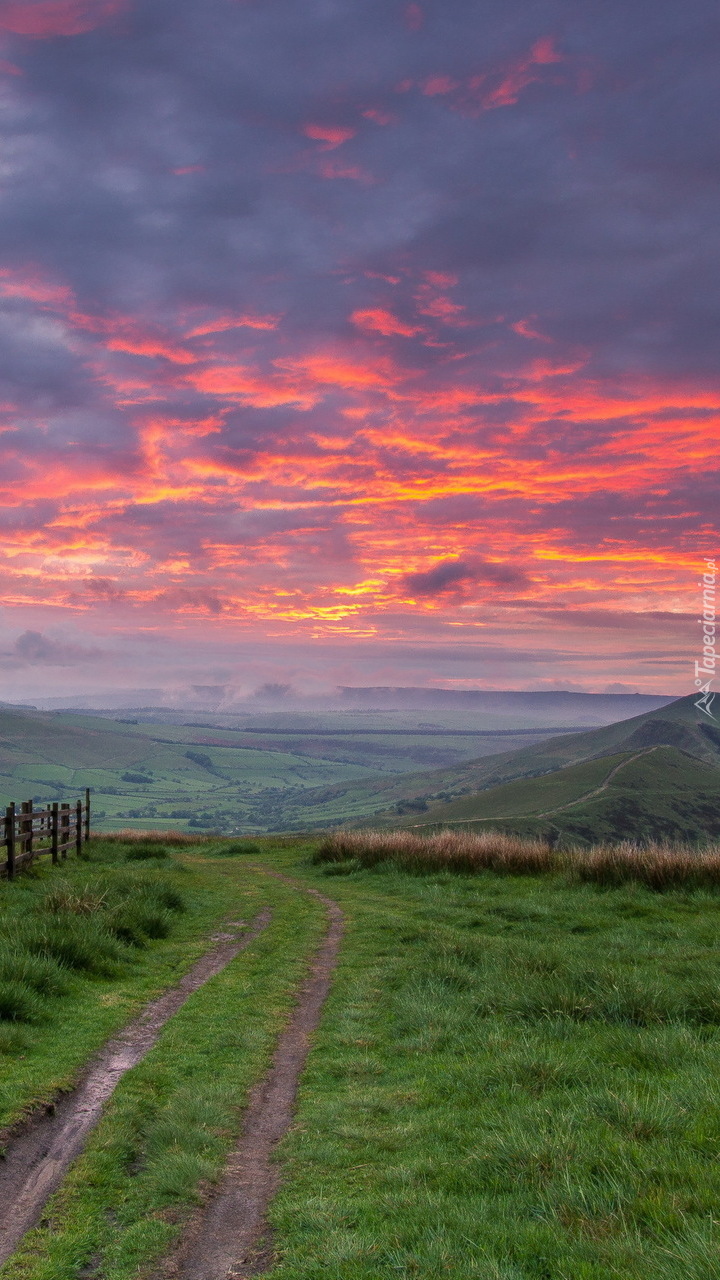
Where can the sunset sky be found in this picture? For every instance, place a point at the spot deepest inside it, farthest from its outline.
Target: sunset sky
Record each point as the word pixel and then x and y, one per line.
pixel 357 342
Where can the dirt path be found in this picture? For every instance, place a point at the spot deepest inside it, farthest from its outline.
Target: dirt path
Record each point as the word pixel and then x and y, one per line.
pixel 226 1239
pixel 37 1159
pixel 589 795
pixel 547 813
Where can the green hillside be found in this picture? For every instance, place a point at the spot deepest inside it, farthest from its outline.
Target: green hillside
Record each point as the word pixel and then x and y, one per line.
pixel 385 799
pixel 162 778
pixel 290 775
pixel 658 793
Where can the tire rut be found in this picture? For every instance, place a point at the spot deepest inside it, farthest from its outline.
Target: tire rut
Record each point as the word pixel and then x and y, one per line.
pixel 36 1160
pixel 227 1239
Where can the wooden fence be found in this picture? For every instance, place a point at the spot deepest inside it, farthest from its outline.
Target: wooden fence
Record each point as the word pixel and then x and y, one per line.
pixel 29 832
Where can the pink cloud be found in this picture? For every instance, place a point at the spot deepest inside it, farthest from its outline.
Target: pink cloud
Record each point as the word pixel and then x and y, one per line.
pixel 377 320
pixel 41 19
pixel 414 17
pixel 330 135
pixel 438 85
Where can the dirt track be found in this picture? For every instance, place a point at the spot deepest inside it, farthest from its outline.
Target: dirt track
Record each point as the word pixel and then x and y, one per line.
pixel 226 1239
pixel 37 1159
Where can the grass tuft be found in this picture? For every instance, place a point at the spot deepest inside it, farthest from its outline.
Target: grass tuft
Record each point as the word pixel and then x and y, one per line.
pixel 176 839
pixel 237 848
pixel 19 1003
pixel 14 1040
pixel 44 976
pixel 141 852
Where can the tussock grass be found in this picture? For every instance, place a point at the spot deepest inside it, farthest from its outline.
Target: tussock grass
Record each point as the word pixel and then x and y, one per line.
pixel 661 867
pixel 458 851
pixel 237 848
pixel 143 851
pixel 90 928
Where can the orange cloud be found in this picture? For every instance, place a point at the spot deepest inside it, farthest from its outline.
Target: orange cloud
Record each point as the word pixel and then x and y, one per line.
pixel 377 320
pixel 29 283
pixel 378 115
pixel 252 388
pixel 223 323
pixel 402 466
pixel 122 334
pixel 521 74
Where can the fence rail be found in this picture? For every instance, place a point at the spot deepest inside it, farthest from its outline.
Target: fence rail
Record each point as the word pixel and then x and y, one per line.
pixel 29 833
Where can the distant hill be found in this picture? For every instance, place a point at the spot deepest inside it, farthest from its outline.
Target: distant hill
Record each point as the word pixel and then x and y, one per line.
pixel 383 799
pixel 658 793
pixel 656 776
pixel 552 706
pixel 297 771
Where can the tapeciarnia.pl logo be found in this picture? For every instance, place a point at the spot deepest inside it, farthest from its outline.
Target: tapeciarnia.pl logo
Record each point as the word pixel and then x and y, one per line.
pixel 705 670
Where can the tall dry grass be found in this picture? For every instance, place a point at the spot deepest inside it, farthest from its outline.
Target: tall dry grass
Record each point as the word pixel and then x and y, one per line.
pixel 445 851
pixel 658 866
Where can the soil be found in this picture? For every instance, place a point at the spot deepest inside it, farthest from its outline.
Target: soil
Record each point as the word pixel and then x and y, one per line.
pixel 228 1238
pixel 37 1158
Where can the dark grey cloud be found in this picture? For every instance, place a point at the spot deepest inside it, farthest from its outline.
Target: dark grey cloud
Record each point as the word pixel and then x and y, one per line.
pixel 450 575
pixel 32 648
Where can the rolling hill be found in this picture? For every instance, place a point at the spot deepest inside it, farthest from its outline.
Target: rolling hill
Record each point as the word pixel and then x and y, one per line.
pixel 657 793
pixel 288 772
pixel 663 782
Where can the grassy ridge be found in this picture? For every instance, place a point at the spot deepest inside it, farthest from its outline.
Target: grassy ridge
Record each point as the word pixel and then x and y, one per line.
pixel 658 793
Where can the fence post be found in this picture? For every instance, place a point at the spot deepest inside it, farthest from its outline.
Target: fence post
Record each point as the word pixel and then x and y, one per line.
pixel 78 828
pixel 64 827
pixel 87 814
pixel 10 839
pixel 26 827
pixel 54 832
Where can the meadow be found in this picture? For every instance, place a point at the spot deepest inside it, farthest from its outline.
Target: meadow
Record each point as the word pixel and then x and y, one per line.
pixel 514 1078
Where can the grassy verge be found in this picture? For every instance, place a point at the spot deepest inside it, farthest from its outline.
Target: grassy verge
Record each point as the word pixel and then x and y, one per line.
pixel 170 1124
pixel 516 1079
pixel 84 946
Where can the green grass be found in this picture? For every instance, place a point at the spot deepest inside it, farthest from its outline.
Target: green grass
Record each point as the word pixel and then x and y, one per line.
pixel 169 1126
pixel 515 1079
pixel 77 973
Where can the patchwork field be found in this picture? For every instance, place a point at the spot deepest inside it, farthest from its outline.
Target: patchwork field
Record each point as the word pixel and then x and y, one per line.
pixel 149 772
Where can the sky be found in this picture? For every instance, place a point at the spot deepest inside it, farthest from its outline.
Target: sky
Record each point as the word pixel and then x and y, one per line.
pixel 357 342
